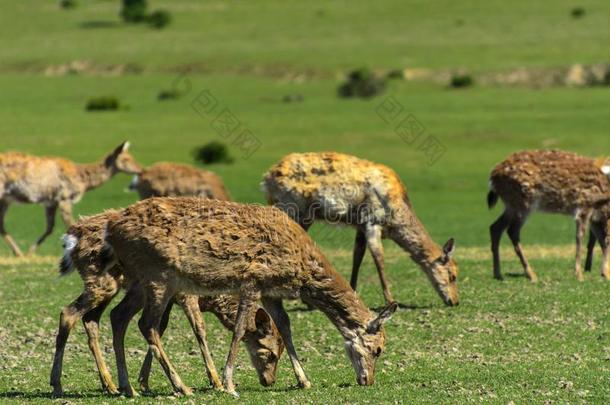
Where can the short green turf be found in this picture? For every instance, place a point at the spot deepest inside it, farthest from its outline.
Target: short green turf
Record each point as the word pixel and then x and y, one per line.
pixel 507 341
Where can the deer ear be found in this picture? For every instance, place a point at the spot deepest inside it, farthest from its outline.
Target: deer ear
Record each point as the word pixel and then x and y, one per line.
pixel 375 325
pixel 124 147
pixel 448 250
pixel 262 320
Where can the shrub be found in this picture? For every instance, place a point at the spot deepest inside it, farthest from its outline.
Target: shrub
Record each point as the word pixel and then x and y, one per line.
pixel 461 80
pixel 362 83
pixel 169 95
pixel 104 103
pixel 292 98
pixel 578 12
pixel 134 11
pixel 395 74
pixel 159 19
pixel 213 152
pixel 67 4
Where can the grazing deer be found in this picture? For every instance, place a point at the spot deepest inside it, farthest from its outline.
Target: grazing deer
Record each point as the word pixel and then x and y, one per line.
pixel 343 189
pixel 178 180
pixel 210 247
pixel 550 181
pixel 83 246
pixel 54 183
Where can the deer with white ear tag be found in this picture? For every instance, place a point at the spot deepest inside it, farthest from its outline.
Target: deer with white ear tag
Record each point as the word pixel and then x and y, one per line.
pixel 210 247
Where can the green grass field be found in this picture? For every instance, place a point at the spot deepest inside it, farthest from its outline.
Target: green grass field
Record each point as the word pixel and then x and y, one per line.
pixel 509 341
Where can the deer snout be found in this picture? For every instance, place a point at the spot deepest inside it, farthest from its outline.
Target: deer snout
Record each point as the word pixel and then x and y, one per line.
pixel 366 379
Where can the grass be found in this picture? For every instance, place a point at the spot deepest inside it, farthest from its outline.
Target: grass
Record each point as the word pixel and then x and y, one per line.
pixel 509 341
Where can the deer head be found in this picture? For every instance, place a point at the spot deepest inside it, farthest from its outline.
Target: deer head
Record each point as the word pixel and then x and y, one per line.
pixel 265 347
pixel 121 161
pixel 443 272
pixel 367 344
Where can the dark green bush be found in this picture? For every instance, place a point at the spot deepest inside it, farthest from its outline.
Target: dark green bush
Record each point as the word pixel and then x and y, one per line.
pixel 362 83
pixel 66 4
pixel 169 95
pixel 104 103
pixel 461 80
pixel 134 11
pixel 578 12
pixel 395 74
pixel 213 152
pixel 159 19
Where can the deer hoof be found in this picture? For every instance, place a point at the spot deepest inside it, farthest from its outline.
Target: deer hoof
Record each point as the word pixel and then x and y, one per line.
pixel 305 385
pixel 129 392
pixel 57 392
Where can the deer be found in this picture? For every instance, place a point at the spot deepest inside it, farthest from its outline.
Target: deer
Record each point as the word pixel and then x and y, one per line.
pixel 551 181
pixel 55 183
pixel 344 189
pixel 210 247
pixel 83 245
pixel 178 180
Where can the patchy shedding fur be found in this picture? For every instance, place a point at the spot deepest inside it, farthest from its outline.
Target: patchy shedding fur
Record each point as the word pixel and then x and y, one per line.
pixel 85 250
pixel 54 183
pixel 344 189
pixel 551 181
pixel 175 180
pixel 210 247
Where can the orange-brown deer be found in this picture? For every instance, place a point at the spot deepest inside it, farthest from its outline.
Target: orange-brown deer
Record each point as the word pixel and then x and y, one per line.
pixel 55 183
pixel 178 180
pixel 550 181
pixel 343 189
pixel 210 247
pixel 83 246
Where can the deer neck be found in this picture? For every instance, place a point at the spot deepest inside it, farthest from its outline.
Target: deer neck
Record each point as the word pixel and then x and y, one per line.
pixel 332 295
pixel 94 174
pixel 409 233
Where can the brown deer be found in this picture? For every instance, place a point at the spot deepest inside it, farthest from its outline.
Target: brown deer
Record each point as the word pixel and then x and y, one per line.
pixel 83 246
pixel 210 247
pixel 344 189
pixel 551 181
pixel 178 180
pixel 54 183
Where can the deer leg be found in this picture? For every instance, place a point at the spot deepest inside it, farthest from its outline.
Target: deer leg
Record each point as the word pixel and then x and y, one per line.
pixel 65 210
pixel 91 322
pixel 599 231
pixel 496 230
pixel 50 211
pixel 120 316
pixel 67 319
pixel 590 250
pixel 514 233
pixel 247 301
pixel 5 235
pixel 373 240
pixel 582 220
pixel 606 258
pixel 157 299
pixel 147 364
pixel 190 305
pixel 278 314
pixel 358 255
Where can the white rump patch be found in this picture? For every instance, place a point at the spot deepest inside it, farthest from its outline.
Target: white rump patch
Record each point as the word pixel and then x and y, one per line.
pixel 606 170
pixel 69 242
